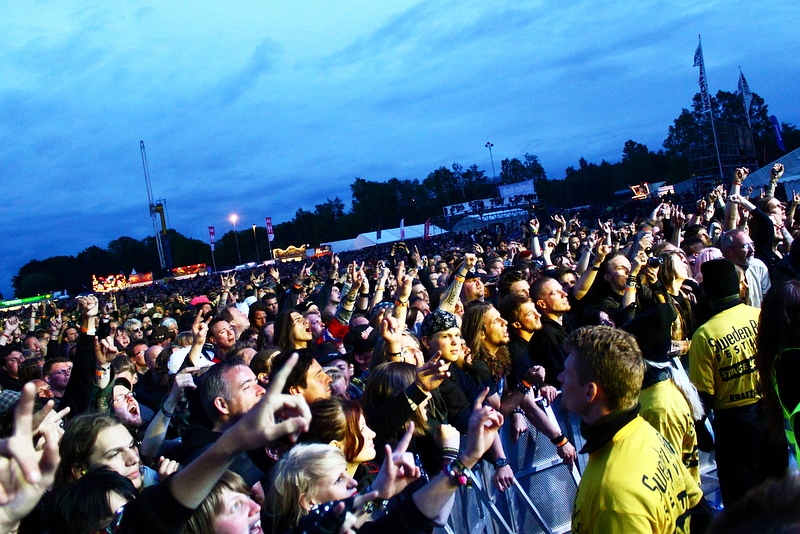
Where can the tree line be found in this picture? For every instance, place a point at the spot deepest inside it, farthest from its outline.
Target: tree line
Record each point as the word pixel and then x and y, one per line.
pixel 382 204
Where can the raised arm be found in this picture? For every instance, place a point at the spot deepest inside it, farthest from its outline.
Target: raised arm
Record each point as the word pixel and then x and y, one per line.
pixel 589 275
pixel 157 429
pixel 450 296
pixel 483 427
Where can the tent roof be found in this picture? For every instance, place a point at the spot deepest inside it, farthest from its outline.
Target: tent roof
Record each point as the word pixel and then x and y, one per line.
pixel 791 173
pixel 370 239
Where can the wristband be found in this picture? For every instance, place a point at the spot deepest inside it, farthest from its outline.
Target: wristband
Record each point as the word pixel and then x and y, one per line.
pixel 459 278
pixel 5 335
pixel 394 353
pixel 449 454
pixel 167 414
pixel 400 304
pixel 520 411
pixel 522 389
pixel 559 441
pixel 595 267
pixel 456 472
pixel 526 384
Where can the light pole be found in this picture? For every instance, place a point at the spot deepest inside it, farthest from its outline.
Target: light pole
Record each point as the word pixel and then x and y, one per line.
pixel 233 219
pixel 258 256
pixel 489 145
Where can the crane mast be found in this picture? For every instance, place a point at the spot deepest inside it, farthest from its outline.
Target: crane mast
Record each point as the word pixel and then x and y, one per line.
pixel 157 211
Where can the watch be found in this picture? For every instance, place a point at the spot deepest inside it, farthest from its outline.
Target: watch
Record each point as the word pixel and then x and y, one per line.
pixel 500 462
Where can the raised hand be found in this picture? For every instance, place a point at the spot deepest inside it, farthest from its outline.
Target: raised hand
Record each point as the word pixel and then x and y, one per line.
pixel 740 174
pixel 25 473
pixel 431 375
pixel 398 469
pixel 777 171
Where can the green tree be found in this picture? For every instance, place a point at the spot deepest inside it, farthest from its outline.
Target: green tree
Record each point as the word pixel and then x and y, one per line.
pixel 693 127
pixel 513 170
pixel 34 284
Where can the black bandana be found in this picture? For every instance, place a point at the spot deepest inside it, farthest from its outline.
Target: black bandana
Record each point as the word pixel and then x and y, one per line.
pixel 438 321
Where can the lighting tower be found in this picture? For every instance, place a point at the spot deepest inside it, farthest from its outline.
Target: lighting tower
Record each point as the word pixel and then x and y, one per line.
pixel 157 209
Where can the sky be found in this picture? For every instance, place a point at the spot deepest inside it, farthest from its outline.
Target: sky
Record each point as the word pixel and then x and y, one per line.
pixel 259 108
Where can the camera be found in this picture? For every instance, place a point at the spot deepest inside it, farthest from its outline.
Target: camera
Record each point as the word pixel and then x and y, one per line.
pixel 655 262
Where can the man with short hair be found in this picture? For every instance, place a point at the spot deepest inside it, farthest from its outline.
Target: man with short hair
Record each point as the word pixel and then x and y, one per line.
pixel 737 246
pixel 57 372
pixel 222 336
pixel 307 378
pixel 227 392
pixel 11 358
pixel 546 345
pixel 634 480
pixel 258 315
pixel 270 300
pixel 237 319
pixel 69 341
pixel 418 290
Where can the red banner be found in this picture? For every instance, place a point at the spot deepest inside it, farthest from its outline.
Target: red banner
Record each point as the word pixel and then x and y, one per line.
pixel 270 233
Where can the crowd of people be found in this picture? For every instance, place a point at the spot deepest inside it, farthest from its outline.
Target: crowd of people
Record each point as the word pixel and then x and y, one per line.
pixel 357 392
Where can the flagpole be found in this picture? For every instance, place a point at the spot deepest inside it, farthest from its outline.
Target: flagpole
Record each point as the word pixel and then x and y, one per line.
pixel 704 89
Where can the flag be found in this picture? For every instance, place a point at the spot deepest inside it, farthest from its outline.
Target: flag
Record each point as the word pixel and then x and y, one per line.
pixel 427 233
pixel 746 93
pixel 211 234
pixel 402 229
pixel 698 62
pixel 777 127
pixel 270 233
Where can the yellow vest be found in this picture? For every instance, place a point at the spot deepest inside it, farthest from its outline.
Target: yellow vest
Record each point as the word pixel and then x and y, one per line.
pixel 635 483
pixel 722 357
pixel 665 407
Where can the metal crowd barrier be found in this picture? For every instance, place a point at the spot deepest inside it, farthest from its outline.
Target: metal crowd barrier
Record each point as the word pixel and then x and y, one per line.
pixel 541 499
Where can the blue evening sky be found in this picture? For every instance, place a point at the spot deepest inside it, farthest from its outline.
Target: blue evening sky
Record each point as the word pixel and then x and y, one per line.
pixel 260 108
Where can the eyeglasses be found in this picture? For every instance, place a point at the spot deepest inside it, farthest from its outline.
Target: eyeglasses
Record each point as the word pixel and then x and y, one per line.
pixel 126 396
pixel 67 371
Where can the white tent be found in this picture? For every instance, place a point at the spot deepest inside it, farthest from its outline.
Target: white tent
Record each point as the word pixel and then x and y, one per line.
pixel 791 174
pixel 370 239
pixel 341 246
